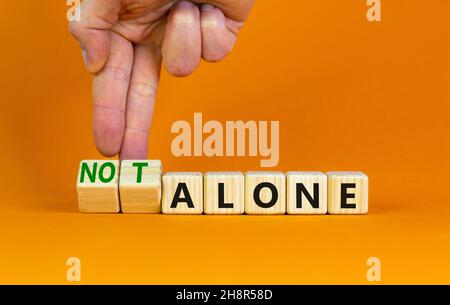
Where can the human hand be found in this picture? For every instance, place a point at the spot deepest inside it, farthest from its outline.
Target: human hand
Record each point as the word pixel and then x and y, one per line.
pixel 123 44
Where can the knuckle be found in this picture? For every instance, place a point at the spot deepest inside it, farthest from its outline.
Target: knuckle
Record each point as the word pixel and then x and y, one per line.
pixel 117 73
pixel 138 36
pixel 143 90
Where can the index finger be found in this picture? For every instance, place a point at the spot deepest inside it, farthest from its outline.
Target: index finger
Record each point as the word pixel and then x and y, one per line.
pixel 110 89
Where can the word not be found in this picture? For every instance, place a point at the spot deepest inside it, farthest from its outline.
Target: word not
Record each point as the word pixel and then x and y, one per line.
pixel 138 186
pixel 189 141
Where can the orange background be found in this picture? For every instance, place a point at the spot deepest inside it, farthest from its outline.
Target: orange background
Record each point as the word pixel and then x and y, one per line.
pixel 349 95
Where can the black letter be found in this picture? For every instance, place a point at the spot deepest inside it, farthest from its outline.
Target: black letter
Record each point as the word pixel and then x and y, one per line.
pixel 222 203
pixel 313 201
pixel 345 196
pixel 186 198
pixel 257 191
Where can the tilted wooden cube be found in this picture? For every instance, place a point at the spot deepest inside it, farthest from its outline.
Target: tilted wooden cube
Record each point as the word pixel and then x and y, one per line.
pixel 348 193
pixel 224 193
pixel 140 186
pixel 182 193
pixel 98 186
pixel 265 193
pixel 306 193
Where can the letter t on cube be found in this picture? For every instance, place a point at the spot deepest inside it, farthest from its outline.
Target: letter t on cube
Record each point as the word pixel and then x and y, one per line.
pixel 140 186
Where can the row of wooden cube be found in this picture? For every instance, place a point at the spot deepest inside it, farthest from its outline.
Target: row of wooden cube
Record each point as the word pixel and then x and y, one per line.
pixel 138 186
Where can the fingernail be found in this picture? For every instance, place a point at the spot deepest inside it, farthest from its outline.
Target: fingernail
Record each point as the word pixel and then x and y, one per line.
pixel 207 7
pixel 85 58
pixel 185 4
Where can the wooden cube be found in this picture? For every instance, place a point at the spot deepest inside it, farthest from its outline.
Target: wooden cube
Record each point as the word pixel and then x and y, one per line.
pixel 348 193
pixel 98 186
pixel 140 186
pixel 265 193
pixel 182 193
pixel 306 193
pixel 224 193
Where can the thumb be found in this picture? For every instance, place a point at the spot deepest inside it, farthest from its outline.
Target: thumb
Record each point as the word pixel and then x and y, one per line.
pixel 92 31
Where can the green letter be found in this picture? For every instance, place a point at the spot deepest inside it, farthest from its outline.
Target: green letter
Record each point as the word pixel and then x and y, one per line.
pixel 111 175
pixel 85 170
pixel 139 166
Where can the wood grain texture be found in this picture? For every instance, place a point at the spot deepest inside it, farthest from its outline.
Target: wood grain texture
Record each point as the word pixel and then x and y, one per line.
pixel 254 180
pixel 187 184
pixel 231 185
pixel 140 186
pixel 356 184
pixel 315 184
pixel 95 195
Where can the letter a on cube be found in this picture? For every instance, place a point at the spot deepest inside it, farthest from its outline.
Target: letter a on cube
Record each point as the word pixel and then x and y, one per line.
pixel 182 193
pixel 348 193
pixel 98 186
pixel 140 186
